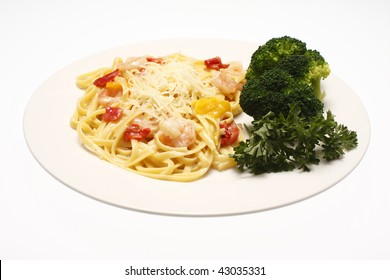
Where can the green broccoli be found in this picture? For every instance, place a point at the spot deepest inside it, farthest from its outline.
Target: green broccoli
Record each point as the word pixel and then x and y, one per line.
pixel 282 72
pixel 275 90
pixel 268 55
pixel 310 67
pixel 319 70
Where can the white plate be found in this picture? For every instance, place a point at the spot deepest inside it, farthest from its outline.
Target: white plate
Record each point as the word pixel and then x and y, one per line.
pixel 56 146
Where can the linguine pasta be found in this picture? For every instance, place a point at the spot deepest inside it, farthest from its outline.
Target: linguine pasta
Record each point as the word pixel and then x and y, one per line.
pixel 169 118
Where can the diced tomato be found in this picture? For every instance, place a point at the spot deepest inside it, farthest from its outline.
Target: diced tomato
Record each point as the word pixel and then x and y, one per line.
pixel 102 81
pixel 231 133
pixel 157 60
pixel 112 114
pixel 215 63
pixel 135 131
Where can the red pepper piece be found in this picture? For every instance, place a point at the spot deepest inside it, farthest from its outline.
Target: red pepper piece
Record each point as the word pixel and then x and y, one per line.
pixel 215 63
pixel 135 131
pixel 102 81
pixel 112 114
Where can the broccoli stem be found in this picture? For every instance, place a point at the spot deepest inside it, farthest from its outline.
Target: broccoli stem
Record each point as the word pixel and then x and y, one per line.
pixel 320 94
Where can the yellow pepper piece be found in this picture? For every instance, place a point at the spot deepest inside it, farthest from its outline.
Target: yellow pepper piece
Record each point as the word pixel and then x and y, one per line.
pixel 212 106
pixel 114 85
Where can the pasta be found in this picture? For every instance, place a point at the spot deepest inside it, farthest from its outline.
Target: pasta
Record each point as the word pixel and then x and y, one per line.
pixel 169 118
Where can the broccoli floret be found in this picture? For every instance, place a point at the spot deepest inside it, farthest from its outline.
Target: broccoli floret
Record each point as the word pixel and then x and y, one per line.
pixel 310 67
pixel 296 65
pixel 319 70
pixel 282 72
pixel 275 90
pixel 258 99
pixel 275 79
pixel 267 56
pixel 302 95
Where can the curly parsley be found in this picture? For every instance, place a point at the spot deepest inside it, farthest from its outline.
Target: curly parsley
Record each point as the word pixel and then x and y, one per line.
pixel 278 143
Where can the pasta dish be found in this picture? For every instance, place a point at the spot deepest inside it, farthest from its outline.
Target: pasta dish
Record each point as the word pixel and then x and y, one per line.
pixel 169 117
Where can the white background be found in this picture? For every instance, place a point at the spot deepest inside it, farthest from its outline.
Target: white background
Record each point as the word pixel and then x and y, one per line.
pixel 40 218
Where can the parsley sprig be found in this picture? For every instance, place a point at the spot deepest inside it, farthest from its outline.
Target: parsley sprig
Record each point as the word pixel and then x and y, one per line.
pixel 278 143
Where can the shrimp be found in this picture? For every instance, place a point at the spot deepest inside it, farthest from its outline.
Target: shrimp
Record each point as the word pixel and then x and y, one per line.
pixel 109 96
pixel 133 63
pixel 177 132
pixel 226 84
pixel 225 81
